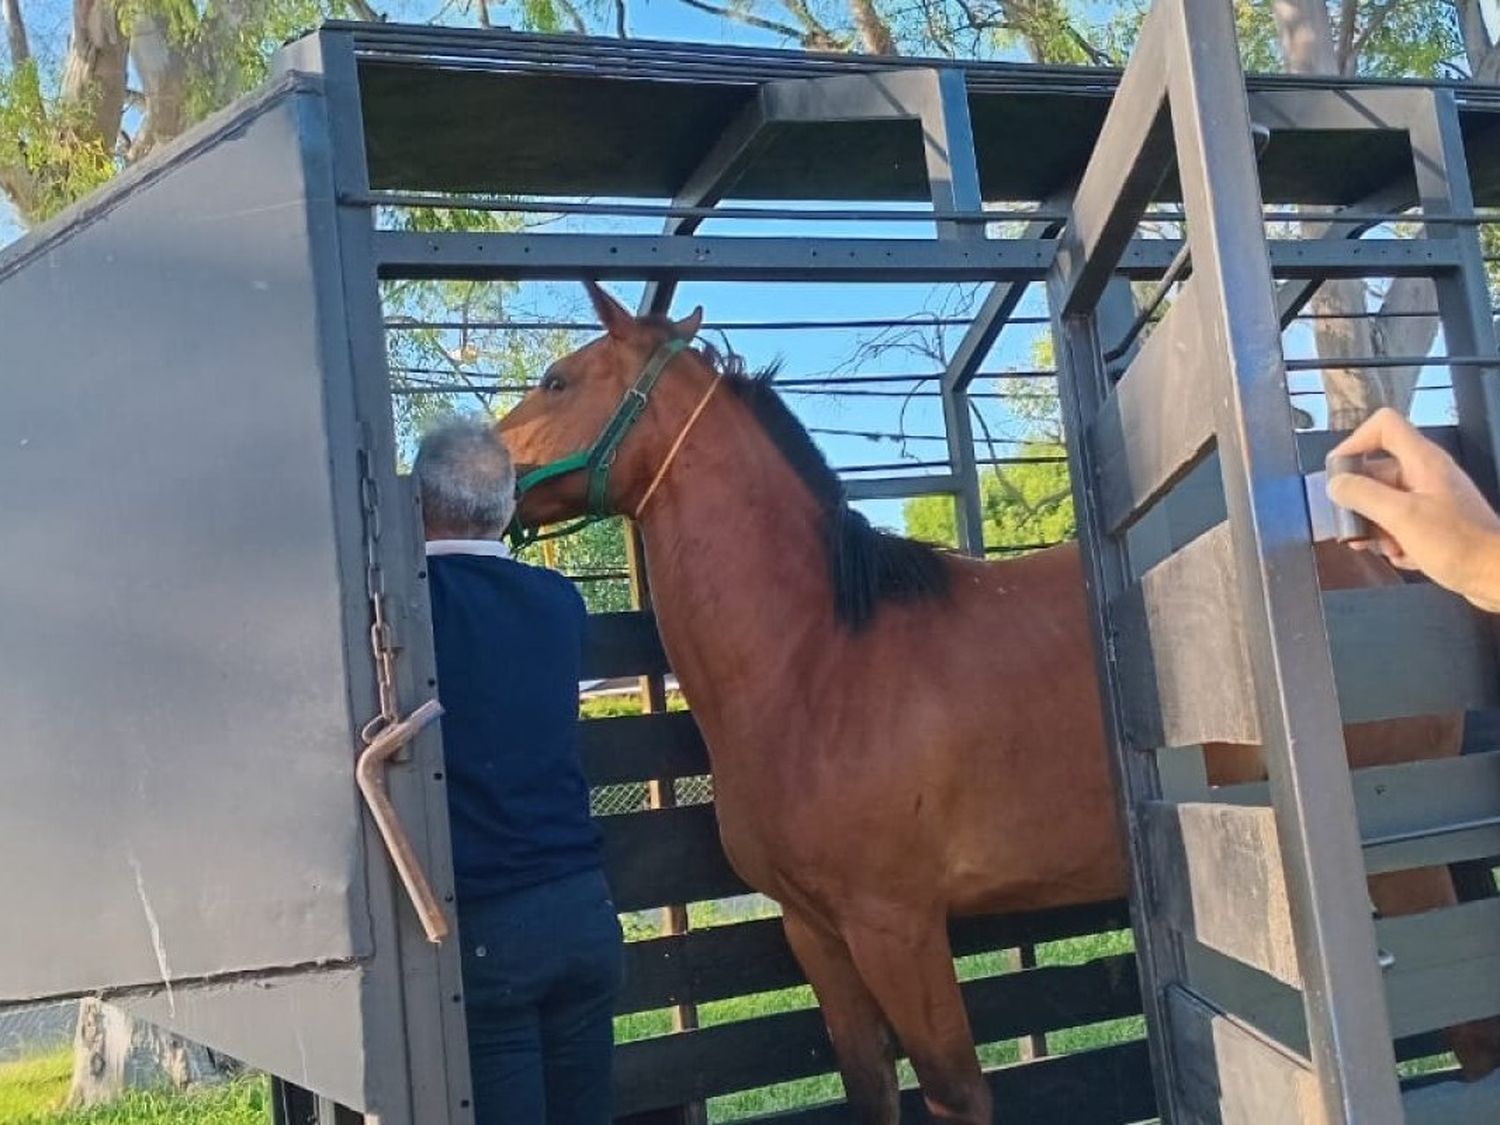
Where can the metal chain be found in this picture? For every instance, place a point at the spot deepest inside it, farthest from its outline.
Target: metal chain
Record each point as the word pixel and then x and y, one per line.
pixel 382 638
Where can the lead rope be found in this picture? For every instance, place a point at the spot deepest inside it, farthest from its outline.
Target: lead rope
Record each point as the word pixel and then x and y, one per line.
pixel 661 473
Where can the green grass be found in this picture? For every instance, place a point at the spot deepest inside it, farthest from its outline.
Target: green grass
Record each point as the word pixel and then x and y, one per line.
pixel 32 1092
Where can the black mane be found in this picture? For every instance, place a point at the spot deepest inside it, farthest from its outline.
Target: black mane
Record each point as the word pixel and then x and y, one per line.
pixel 866 566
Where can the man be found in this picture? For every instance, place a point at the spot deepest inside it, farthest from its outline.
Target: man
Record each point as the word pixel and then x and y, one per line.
pixel 541 939
pixel 1430 516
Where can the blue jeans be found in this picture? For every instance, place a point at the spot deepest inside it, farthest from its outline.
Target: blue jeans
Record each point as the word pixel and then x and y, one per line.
pixel 542 968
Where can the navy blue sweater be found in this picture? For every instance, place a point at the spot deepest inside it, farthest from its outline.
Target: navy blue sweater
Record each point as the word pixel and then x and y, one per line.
pixel 509 639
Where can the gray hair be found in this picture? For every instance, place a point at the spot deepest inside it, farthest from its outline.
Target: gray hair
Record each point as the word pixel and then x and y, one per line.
pixel 466 479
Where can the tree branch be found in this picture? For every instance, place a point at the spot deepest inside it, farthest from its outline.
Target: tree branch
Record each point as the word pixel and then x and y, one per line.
pixel 874 33
pixel 1376 21
pixel 94 70
pixel 163 70
pixel 1344 50
pixel 576 16
pixel 1483 51
pixel 621 30
pixel 363 10
pixel 750 19
pixel 816 36
pixel 15 33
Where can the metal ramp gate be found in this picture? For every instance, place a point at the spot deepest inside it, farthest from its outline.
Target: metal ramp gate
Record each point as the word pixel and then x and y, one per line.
pixel 1271 994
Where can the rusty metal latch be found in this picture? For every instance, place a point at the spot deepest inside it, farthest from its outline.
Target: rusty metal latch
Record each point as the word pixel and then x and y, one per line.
pixel 388 733
pixel 369 773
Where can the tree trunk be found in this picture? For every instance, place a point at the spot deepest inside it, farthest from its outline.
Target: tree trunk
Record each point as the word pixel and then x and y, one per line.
pixel 113 1052
pixel 1354 393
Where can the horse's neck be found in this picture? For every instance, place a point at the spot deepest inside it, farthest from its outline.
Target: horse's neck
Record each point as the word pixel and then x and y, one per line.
pixel 737 567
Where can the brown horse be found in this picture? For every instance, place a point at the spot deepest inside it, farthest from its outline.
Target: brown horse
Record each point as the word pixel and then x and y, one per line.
pixel 897 735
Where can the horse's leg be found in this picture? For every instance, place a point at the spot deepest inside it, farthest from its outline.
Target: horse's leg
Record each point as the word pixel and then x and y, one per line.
pixel 907 963
pixel 1476 1044
pixel 861 1039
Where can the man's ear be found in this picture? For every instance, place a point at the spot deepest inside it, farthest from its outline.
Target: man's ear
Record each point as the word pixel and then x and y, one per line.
pixel 612 315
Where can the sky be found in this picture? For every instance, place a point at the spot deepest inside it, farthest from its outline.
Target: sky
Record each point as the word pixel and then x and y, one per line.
pixel 807 354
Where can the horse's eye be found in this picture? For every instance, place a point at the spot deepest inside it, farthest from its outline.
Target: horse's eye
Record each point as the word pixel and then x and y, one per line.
pixel 553 382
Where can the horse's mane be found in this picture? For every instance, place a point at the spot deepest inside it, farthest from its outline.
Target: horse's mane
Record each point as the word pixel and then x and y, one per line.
pixel 866 565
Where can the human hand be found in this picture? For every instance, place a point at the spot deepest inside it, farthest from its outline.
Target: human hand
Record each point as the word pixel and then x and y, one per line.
pixel 1428 514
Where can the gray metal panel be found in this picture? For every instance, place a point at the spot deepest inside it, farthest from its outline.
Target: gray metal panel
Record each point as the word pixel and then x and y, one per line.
pixel 179 739
pixel 305 1027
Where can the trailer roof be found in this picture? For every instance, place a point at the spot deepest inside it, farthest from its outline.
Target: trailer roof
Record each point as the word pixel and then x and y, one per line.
pixel 454 110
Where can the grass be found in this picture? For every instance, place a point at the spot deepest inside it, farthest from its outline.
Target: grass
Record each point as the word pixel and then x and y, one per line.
pixel 32 1092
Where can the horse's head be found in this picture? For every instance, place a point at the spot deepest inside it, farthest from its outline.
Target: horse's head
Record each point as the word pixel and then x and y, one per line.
pixel 580 399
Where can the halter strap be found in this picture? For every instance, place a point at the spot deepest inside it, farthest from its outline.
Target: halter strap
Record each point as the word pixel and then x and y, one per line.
pixel 599 458
pixel 661 473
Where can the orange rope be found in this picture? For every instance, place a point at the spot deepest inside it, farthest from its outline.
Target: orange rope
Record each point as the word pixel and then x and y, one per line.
pixel 661 473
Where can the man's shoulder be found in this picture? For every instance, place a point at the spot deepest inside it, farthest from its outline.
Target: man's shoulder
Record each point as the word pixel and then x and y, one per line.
pixel 542 580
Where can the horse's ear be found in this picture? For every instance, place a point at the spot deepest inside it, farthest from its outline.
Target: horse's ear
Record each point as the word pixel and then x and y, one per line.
pixel 688 326
pixel 616 319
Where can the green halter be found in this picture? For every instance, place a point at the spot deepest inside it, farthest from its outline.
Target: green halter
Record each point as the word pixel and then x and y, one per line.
pixel 599 458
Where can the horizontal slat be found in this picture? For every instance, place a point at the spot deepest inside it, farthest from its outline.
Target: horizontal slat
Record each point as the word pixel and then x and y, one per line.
pixel 1197 502
pixel 1407 812
pixel 1408 650
pixel 1180 651
pixel 464 255
pixel 899 488
pixel 1230 1073
pixel 1446 970
pixel 1218 879
pixel 641 748
pixel 749 957
pixel 622 644
pixel 1447 966
pixel 1107 1086
pixel 1158 419
pixel 666 856
pixel 691 1065
pixel 1455 1103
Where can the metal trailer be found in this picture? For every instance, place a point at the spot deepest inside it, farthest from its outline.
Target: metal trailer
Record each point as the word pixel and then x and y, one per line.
pixel 220 525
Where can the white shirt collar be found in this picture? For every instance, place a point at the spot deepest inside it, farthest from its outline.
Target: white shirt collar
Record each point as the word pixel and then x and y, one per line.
pixel 492 547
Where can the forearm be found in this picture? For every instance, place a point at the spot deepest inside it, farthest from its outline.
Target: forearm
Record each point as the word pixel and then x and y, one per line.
pixel 1483 589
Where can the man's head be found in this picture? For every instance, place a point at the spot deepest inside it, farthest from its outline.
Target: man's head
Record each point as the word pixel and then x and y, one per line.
pixel 466 480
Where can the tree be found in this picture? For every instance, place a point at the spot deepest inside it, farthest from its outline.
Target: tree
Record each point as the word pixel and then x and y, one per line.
pixel 1024 506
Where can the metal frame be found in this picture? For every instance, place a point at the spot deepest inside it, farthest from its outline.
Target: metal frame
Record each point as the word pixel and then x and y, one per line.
pixel 418 992
pixel 1186 73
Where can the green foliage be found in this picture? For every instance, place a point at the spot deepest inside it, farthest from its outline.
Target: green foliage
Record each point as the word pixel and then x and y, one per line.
pixel 32 1092
pixel 47 139
pixel 1023 505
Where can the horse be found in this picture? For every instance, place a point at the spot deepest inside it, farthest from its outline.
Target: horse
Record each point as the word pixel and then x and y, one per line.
pixel 898 735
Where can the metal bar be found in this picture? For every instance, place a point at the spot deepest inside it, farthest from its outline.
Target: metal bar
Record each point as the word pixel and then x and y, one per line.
pixel 1432 832
pixel 684 217
pixel 463 256
pixel 1462 295
pixel 900 488
pixel 415 991
pixel 1083 385
pixel 1175 271
pixel 1129 161
pixel 402 325
pixel 916 321
pixel 734 152
pixel 953 180
pixel 683 211
pixel 1302 735
pixel 1477 361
